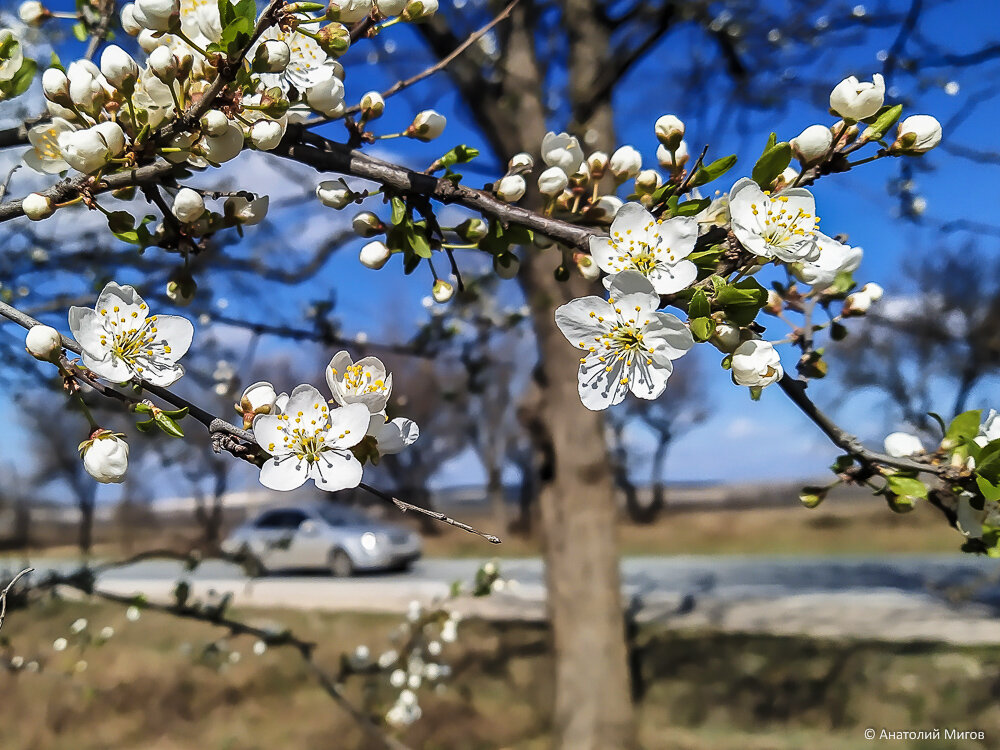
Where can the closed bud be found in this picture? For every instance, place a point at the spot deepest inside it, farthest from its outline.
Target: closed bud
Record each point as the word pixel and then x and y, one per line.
pixel 389 8
pixel 163 64
pixel 214 123
pixel 675 159
pixel 647 181
pixel 775 303
pixel 37 206
pixel 367 224
pixel 586 266
pixel 266 134
pixel 335 193
pixel 349 11
pixel 374 255
pixel 783 180
pixel 272 56
pixel 129 25
pixel 105 457
pixel 917 134
pixel 812 144
pixel 873 290
pixel 327 97
pixel 419 10
pixel 258 398
pixel 157 15
pixel 32 13
pixel 185 62
pixel 472 230
pixel 520 163
pixel 669 131
pixel 188 205
pixel 625 163
pixel 859 302
pixel 856 100
pixel 506 265
pixel 334 39
pixel 511 188
pixel 55 86
pixel 43 342
pixel 597 162
pixel 182 289
pixel 426 126
pixel 442 291
pixel 119 68
pixel 246 212
pixel 372 105
pixel 725 338
pixel 552 181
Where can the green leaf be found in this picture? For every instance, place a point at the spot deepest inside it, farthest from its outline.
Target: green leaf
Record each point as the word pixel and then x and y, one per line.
pixel 962 429
pixel 714 170
pixel 906 486
pixel 167 425
pixel 988 462
pixel 771 141
pixel 940 420
pixel 702 328
pixel 22 79
pixel 699 307
pixel 145 426
pixel 418 241
pixel 772 163
pixel 990 491
pixel 458 155
pixel 812 496
pixel 883 121
pixel 842 463
pixel 740 301
pixel 80 32
pixel 398 210
pixel 690 208
pixel 176 413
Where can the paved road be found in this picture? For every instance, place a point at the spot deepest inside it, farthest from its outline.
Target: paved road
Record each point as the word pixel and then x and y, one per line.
pixel 950 597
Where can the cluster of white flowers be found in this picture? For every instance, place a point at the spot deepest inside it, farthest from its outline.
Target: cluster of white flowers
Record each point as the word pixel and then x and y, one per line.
pixel 307 439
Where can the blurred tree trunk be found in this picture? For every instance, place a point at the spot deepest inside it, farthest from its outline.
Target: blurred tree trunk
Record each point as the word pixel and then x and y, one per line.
pixel 496 497
pixel 593 706
pixel 85 539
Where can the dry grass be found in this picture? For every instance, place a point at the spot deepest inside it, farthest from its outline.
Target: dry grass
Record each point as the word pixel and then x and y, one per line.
pixel 147 688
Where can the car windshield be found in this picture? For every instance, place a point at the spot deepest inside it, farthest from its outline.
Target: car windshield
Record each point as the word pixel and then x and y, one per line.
pixel 339 515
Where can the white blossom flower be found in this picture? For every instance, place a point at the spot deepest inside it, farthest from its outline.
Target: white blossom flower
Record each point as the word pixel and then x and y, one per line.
pixel 520 163
pixel 222 148
pixel 552 181
pixel 266 134
pixel 812 144
pixel 55 86
pixel 43 342
pixel 327 96
pixel 107 633
pixel 669 130
pixel 372 105
pixel 132 614
pixel 335 193
pixel 862 300
pixel 607 207
pixel 834 258
pixel 511 188
pixel 901 444
pixel 392 436
pixel 188 205
pixel 105 457
pixel 259 648
pixel 397 678
pixel 272 56
pixel 625 163
pixel 629 345
pixel 656 248
pixel 442 291
pixel 970 520
pixel 562 150
pixel 647 181
pixel 918 134
pixel 91 149
pixel 782 226
pixel 214 123
pixel 363 382
pixel 374 255
pixel 118 67
pixel 121 341
pixel 13 57
pixel 389 8
pixel 32 12
pixel 855 100
pixel 311 441
pixel 258 398
pixel 989 430
pixel 756 363
pixel 128 20
pixel 427 125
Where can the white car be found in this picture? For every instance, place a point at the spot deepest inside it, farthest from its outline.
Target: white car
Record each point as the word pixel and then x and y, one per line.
pixel 323 536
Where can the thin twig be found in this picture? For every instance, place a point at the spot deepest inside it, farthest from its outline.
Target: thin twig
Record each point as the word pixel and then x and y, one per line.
pixel 404 506
pixel 7 588
pixel 100 31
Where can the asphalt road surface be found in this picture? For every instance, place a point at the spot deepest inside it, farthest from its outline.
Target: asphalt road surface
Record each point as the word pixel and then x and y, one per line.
pixel 949 598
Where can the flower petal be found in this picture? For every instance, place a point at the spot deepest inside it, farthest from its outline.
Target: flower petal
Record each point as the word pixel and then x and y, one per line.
pixel 665 334
pixel 348 425
pixel 336 470
pixel 667 279
pixel 269 433
pixel 125 298
pixel 284 473
pixel 599 383
pixel 578 320
pixel 110 368
pixel 87 327
pixel 176 332
pixel 648 378
pixel 677 237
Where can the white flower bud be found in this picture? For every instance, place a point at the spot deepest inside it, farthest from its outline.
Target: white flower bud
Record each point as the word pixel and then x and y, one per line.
pixel 272 56
pixel 372 105
pixel 854 100
pixel 427 125
pixel 389 8
pixel 247 212
pixel 266 134
pixel 258 398
pixel 148 40
pixel 37 207
pixel 181 292
pixel 625 163
pixel 472 230
pixel 327 96
pixel 214 123
pixel 520 163
pixel 506 265
pixel 902 444
pixel 164 65
pixel 562 150
pixel 442 291
pixel 597 163
pixel 86 85
pixel 669 131
pixel 552 181
pixel 756 363
pixel 55 86
pixel 511 188
pixel 105 457
pixel 607 207
pixel 367 224
pixel 43 342
pixel 812 144
pixel 873 290
pixel 725 338
pixel 157 15
pixel 119 68
pixel 222 148
pixel 675 160
pixel 587 267
pixel 32 12
pixel 188 205
pixel 647 181
pixel 783 180
pixel 917 134
pixel 419 10
pixel 335 193
pixel 129 25
pixel 349 11
pixel 374 255
pixel 91 149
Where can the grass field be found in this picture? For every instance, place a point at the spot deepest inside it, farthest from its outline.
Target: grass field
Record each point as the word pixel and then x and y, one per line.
pixel 148 688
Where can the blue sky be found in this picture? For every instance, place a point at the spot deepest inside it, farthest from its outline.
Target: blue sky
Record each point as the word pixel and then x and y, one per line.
pixel 741 439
